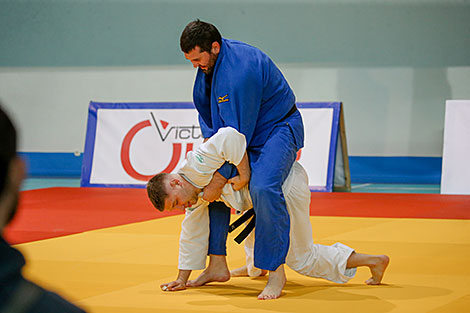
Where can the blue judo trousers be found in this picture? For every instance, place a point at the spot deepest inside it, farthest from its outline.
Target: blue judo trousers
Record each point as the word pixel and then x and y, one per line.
pixel 270 166
pixel 249 93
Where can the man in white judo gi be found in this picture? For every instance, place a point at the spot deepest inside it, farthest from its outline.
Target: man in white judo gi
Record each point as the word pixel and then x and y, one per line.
pixel 183 190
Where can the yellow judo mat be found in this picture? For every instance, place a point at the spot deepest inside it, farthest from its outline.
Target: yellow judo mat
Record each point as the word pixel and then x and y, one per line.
pixel 119 269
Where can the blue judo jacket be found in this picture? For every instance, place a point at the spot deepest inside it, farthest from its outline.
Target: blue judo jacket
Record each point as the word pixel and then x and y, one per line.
pixel 247 92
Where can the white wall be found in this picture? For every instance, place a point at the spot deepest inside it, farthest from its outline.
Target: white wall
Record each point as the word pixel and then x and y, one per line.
pixel 389 111
pixel 51 104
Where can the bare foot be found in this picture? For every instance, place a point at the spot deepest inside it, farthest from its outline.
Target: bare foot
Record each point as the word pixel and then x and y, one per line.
pixel 209 276
pixel 377 268
pixel 217 271
pixel 243 272
pixel 239 272
pixel 276 281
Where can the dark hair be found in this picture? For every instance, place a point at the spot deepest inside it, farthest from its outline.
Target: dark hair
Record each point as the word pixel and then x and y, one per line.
pixel 156 191
pixel 201 34
pixel 7 146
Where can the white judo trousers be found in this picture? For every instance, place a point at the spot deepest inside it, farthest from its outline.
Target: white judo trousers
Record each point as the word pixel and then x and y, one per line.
pixel 304 256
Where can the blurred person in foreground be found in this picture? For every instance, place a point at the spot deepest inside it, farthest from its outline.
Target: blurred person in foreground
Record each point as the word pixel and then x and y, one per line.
pixel 17 294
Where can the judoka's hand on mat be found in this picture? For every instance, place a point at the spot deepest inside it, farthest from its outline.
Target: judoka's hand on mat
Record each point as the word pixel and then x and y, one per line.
pixel 174 285
pixel 213 191
pixel 179 283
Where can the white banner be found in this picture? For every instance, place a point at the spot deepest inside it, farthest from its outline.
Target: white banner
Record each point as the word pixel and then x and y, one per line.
pixel 128 143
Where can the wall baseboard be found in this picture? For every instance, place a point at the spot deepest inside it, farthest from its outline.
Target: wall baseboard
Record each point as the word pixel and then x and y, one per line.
pixel 401 169
pixel 364 169
pixel 52 164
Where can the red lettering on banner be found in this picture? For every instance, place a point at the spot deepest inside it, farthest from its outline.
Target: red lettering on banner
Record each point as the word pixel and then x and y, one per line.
pixel 189 147
pixel 175 158
pixel 164 124
pixel 125 153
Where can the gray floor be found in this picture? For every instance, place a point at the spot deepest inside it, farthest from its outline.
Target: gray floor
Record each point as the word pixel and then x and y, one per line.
pixel 38 183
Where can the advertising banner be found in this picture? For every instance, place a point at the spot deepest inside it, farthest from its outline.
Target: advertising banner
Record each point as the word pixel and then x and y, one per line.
pixel 128 143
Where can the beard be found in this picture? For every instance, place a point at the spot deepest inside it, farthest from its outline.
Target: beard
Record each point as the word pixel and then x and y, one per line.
pixel 211 64
pixel 207 71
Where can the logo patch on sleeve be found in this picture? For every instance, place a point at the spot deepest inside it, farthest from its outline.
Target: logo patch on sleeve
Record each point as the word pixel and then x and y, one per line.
pixel 223 99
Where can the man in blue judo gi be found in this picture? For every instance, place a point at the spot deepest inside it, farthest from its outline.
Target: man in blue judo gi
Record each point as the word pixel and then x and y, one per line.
pixel 238 85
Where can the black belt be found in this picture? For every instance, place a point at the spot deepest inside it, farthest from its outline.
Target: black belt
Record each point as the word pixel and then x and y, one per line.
pixel 291 111
pixel 244 233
